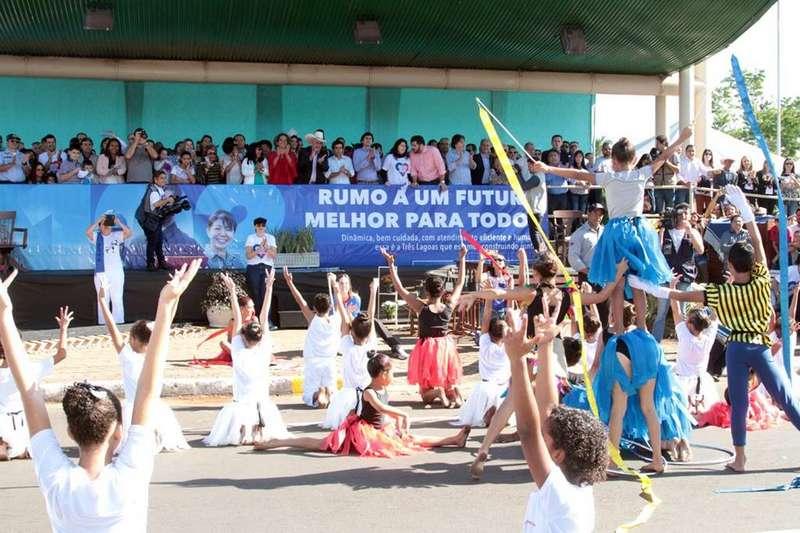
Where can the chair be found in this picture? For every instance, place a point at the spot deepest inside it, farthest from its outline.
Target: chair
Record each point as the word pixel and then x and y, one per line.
pixel 563 222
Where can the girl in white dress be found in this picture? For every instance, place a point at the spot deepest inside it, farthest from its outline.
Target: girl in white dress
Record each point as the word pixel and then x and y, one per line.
pixel 252 416
pixel 321 345
pixel 101 491
pixel 14 439
pixel 358 340
pixel 494 369
pixel 169 435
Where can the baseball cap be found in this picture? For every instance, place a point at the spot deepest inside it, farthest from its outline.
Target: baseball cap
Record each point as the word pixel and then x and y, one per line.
pixel 12 137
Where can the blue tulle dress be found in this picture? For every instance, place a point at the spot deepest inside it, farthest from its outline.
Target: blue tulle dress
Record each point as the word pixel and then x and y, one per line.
pixel 647 362
pixel 634 239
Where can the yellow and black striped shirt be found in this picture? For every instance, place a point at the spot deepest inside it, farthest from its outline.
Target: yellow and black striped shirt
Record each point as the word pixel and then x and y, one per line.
pixel 744 308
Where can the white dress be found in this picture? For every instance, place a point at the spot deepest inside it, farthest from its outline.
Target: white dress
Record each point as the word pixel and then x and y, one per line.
pixel 251 406
pixel 13 426
pixel 495 371
pixel 690 367
pixel 168 432
pixel 354 362
pixel 319 356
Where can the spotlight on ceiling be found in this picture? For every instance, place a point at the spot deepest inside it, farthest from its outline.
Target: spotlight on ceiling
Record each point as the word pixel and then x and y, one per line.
pixel 98 17
pixel 573 39
pixel 367 32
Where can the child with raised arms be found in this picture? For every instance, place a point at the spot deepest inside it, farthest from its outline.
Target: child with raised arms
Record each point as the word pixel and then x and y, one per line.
pixel 131 354
pixel 251 416
pixel 102 492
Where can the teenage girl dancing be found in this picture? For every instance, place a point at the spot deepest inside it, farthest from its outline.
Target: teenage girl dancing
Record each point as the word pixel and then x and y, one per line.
pixel 434 364
pixel 627 235
pixel 358 340
pixel 251 416
pixel 321 345
pixel 247 309
pixel 14 439
pixel 169 435
pixel 103 491
pixel 374 428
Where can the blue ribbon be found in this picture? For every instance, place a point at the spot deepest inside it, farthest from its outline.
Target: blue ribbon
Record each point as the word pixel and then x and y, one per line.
pixel 793 484
pixel 783 259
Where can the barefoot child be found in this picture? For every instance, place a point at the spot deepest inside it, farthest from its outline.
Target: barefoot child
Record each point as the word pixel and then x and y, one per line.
pixel 14 439
pixel 374 428
pixel 493 368
pixel 434 364
pixel 251 416
pixel 321 345
pixel 101 492
pixel 627 235
pixel 358 340
pixel 565 448
pixel 169 435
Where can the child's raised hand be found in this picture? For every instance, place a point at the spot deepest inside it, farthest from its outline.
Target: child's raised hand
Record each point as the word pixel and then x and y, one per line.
pixel 228 281
pixel 538 166
pixel 103 289
pixel 287 275
pixel 180 279
pixel 374 283
pixel 462 251
pixel 332 280
pixel 673 283
pixel 11 277
pixel 269 277
pixel 64 317
pixel 586 288
pixel 387 256
pixel 517 343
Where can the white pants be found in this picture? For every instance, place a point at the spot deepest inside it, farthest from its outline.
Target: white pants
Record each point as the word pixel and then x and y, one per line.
pixel 116 282
pixel 318 373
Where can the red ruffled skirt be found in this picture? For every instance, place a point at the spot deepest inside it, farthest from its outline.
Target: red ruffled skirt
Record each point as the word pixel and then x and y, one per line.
pixel 359 436
pixel 760 414
pixel 434 362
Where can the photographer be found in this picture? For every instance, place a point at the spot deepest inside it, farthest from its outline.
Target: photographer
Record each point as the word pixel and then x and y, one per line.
pixel 140 156
pixel 152 223
pixel 680 244
pixel 108 262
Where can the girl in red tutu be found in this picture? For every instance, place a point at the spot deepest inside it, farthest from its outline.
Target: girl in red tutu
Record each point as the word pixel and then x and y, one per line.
pixel 248 310
pixel 373 428
pixel 434 364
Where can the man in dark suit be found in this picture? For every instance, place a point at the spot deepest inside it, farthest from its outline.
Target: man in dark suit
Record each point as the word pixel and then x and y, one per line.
pixel 312 162
pixel 483 164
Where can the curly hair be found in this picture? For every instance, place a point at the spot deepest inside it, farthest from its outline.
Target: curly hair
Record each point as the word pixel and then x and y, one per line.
pixel 583 440
pixel 90 411
pixel 546 266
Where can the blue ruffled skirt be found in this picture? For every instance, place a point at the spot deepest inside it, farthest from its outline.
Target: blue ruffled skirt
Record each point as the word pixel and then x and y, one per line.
pixel 633 239
pixel 647 362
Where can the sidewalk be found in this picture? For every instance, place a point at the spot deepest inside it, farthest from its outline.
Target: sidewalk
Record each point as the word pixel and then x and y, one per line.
pixel 91 357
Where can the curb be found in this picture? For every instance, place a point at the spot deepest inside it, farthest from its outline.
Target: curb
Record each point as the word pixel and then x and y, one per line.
pixel 90 341
pixel 177 387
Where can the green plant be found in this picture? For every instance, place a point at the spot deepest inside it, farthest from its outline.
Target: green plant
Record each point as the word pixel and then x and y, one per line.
pixel 217 293
pixel 289 242
pixel 389 309
pixel 305 240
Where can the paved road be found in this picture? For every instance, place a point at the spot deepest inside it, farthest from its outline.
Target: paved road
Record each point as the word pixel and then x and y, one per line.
pixel 233 489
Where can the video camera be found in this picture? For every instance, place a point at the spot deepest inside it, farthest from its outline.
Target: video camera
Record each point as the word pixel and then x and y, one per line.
pixel 181 203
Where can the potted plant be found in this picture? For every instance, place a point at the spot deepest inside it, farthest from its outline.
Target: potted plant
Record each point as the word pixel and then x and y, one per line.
pixel 389 310
pixel 296 249
pixel 216 302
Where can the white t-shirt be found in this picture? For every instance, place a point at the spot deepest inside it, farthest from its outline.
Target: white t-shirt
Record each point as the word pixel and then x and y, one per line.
pixel 131 363
pixel 116 501
pixel 354 361
pixel 110 259
pixel 559 507
pixel 261 256
pixel 625 190
pixel 181 175
pixel 677 237
pixel 322 338
pixel 691 170
pixel 156 195
pixel 250 369
pixel 693 352
pixel 397 169
pixel 10 399
pixel 493 363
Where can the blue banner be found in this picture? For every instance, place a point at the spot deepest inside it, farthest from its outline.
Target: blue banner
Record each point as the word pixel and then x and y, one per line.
pixel 420 225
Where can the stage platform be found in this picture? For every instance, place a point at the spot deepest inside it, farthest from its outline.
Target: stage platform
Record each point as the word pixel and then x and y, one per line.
pixel 38 295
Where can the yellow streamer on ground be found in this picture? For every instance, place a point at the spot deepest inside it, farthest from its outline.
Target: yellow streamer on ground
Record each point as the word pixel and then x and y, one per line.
pixel 644 481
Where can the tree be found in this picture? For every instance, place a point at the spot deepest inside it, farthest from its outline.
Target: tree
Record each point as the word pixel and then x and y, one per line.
pixel 729 117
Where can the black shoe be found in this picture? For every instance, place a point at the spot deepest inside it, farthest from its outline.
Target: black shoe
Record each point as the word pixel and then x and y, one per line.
pixel 151 268
pixel 164 266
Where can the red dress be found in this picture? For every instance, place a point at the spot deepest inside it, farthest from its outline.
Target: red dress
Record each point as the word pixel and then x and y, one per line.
pixel 434 361
pixel 282 168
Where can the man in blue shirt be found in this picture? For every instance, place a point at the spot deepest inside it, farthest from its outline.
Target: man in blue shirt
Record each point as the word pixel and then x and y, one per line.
pixel 12 161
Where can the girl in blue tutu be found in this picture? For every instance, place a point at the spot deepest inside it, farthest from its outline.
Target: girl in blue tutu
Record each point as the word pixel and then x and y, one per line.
pixel 627 235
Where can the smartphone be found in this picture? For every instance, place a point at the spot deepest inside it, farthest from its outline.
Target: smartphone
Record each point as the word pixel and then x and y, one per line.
pixel 109 221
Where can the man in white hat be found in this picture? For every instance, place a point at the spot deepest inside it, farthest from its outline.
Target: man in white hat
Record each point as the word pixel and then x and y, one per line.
pixel 312 162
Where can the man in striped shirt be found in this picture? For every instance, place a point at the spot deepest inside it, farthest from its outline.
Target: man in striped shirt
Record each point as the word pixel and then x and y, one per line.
pixel 744 306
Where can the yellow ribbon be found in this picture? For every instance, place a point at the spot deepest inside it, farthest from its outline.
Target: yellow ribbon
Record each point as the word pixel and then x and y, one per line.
pixel 644 481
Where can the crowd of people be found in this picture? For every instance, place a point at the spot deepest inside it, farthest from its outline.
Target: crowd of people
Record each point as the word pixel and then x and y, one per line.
pixel 529 353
